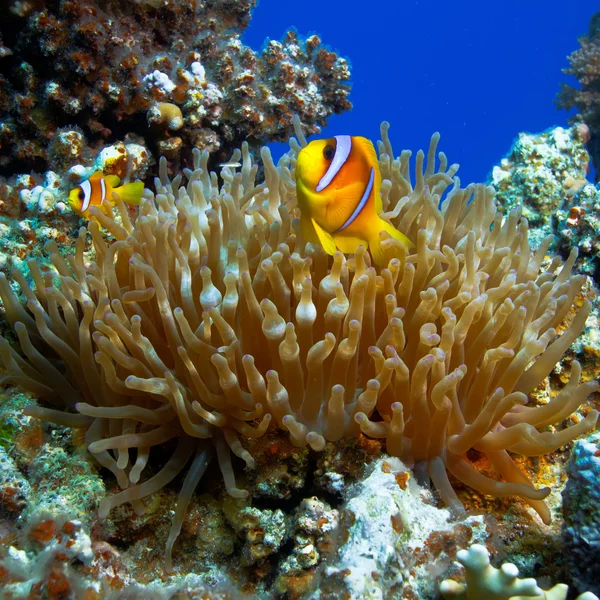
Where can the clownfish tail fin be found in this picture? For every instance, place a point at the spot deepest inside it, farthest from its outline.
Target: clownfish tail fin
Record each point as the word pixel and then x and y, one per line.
pixel 131 192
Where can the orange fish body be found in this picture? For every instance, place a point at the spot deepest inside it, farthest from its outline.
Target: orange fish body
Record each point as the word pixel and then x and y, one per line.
pixel 338 187
pixel 98 189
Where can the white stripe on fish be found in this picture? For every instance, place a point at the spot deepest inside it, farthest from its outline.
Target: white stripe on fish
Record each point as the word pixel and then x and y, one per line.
pixel 342 151
pixel 86 187
pixel 361 204
pixel 102 190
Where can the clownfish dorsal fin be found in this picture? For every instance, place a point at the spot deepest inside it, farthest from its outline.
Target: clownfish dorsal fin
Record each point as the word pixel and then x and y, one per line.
pixel 325 238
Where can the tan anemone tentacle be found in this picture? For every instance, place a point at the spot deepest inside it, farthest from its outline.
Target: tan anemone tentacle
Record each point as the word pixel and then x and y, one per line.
pixel 208 318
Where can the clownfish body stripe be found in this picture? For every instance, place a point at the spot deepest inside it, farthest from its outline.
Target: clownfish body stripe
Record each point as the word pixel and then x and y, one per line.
pixel 343 148
pixel 102 190
pixel 86 186
pixel 361 204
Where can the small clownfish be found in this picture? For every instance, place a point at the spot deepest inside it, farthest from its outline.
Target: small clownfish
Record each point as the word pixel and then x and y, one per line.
pixel 338 182
pixel 99 188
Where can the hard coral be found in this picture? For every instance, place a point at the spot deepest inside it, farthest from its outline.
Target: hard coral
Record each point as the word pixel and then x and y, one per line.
pixel 484 582
pixel 209 316
pixel 541 174
pixel 105 65
pixel 545 174
pixel 585 66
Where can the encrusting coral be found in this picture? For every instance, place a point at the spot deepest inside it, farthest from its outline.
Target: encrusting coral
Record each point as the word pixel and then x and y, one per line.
pixel 208 317
pixel 484 582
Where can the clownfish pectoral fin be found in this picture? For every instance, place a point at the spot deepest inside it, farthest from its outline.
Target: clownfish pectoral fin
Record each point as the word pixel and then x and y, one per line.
pixel 308 231
pixel 325 238
pixel 348 244
pixel 131 192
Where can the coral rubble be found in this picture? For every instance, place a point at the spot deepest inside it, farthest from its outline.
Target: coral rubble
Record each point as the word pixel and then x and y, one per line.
pixel 150 68
pixel 394 540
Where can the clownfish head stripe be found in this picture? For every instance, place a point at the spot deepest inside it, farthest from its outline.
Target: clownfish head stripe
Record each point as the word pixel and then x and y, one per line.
pixel 362 202
pixel 86 188
pixel 343 148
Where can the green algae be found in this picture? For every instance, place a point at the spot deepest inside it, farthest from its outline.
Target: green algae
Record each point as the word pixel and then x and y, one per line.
pixel 65 483
pixel 62 480
pixel 12 420
pixel 7 432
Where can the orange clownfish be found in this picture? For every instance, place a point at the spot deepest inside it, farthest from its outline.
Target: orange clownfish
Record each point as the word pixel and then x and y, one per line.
pixel 99 188
pixel 338 182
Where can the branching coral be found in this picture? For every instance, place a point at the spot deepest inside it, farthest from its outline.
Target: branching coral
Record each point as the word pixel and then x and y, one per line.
pixel 484 582
pixel 208 317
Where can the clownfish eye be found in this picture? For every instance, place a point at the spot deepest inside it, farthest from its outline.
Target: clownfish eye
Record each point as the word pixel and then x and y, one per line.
pixel 328 152
pixel 81 195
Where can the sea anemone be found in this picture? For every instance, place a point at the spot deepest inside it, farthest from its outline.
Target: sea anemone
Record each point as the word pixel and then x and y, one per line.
pixel 208 320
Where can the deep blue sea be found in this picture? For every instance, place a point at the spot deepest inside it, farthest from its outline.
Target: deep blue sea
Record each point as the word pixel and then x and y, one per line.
pixel 477 72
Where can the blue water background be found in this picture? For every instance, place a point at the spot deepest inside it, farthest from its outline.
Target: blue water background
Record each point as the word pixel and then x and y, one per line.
pixel 477 72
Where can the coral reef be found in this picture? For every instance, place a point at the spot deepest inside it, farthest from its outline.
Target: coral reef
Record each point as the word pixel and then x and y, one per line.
pixel 208 317
pixel 584 66
pixel 484 582
pixel 149 68
pixel 34 209
pixel 324 551
pixel 581 530
pixel 545 174
pixel 281 468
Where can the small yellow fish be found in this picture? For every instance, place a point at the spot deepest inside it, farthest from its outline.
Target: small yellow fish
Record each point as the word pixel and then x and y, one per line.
pixel 99 188
pixel 338 182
